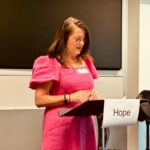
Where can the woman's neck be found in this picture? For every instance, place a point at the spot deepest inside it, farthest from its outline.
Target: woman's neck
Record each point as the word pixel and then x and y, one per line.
pixel 74 62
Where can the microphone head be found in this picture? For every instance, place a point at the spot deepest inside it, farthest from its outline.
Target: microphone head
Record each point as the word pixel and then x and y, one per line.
pixel 144 113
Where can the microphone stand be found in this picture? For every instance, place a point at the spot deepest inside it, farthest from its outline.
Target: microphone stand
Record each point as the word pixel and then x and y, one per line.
pixel 145 115
pixel 100 136
pixel 103 133
pixel 147 134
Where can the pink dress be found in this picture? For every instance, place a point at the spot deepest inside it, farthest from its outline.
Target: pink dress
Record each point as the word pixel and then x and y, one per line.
pixel 65 133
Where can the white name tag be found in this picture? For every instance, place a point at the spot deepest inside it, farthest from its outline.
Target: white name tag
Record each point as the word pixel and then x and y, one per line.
pixel 82 70
pixel 120 112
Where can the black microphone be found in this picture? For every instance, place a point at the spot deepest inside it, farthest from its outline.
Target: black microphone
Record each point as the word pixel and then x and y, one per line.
pixel 144 113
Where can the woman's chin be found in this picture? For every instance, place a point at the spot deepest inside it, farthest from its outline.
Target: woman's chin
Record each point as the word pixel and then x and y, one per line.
pixel 78 52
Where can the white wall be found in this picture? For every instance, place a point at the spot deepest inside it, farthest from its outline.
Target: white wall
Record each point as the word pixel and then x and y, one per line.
pixel 144 60
pixel 14 89
pixel 144 53
pixel 20 129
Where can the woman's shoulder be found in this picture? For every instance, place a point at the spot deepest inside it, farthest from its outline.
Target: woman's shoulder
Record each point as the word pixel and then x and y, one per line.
pixel 91 67
pixel 89 60
pixel 44 60
pixel 45 65
pixel 42 57
pixel 44 69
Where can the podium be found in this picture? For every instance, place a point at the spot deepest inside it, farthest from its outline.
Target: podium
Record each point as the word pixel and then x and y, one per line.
pixel 96 107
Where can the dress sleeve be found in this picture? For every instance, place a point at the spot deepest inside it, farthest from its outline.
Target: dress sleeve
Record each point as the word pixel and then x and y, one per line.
pixel 92 68
pixel 44 69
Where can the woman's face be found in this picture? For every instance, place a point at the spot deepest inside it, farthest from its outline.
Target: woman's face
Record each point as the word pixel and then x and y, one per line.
pixel 75 42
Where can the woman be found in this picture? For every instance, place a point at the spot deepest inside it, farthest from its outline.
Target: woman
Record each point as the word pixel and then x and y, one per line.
pixel 64 79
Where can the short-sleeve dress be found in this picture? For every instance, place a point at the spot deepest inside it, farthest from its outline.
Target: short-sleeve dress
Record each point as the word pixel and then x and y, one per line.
pixel 65 133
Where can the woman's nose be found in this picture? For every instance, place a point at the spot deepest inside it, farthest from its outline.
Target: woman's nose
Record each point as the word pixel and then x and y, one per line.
pixel 82 42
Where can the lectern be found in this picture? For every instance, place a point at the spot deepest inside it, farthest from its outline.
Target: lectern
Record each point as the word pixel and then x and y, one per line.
pixel 96 107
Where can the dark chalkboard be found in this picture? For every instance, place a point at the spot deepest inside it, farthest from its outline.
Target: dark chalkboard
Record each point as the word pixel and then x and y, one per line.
pixel 27 29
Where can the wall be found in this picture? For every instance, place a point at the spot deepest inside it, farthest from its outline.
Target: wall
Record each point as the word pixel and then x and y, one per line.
pixel 20 129
pixel 14 89
pixel 144 51
pixel 144 61
pixel 133 66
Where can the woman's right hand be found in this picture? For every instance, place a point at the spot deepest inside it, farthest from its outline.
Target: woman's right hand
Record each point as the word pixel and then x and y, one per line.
pixel 80 96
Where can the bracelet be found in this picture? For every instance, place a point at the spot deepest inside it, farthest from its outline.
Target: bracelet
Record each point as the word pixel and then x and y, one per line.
pixel 66 101
pixel 69 98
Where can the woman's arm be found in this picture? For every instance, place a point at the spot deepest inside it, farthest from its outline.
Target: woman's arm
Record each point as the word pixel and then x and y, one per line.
pixel 44 99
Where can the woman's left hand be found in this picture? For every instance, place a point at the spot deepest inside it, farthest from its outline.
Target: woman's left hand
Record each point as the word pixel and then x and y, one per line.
pixel 93 95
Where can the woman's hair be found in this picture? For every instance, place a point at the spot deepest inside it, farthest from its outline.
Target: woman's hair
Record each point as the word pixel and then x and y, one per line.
pixel 59 44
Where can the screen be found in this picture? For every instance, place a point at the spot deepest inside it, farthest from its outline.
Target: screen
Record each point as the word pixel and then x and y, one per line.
pixel 28 27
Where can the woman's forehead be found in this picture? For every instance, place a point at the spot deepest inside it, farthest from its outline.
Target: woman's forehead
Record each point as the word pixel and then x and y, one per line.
pixel 77 31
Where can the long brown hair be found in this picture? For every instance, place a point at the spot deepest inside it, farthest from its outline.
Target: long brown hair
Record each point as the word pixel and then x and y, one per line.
pixel 59 44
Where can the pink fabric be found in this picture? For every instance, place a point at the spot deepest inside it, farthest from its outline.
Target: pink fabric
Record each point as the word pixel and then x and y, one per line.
pixel 65 133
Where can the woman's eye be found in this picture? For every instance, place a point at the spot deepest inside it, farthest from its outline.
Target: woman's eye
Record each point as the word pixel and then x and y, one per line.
pixel 78 39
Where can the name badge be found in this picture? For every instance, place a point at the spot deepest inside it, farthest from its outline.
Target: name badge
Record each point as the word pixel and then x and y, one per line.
pixel 82 70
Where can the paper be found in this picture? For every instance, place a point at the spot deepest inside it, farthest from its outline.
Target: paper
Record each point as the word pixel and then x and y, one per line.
pixel 118 112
